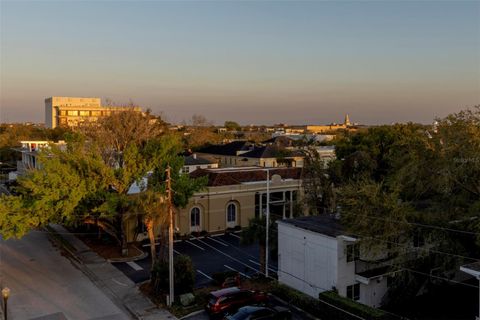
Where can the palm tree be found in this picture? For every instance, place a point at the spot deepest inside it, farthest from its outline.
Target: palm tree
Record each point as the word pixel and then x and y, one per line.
pixel 153 208
pixel 255 232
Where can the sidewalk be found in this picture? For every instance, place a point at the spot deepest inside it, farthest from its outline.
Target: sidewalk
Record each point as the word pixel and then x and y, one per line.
pixel 112 281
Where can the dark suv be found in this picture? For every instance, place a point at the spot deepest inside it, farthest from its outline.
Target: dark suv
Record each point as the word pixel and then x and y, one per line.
pixel 230 299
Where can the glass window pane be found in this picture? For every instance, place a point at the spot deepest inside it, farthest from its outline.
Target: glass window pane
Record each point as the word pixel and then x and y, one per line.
pixel 195 217
pixel 231 212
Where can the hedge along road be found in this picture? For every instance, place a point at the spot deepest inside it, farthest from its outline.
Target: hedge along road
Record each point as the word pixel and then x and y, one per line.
pixel 209 255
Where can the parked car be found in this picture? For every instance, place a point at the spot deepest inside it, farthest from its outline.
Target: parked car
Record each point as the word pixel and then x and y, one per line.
pixel 260 313
pixel 230 299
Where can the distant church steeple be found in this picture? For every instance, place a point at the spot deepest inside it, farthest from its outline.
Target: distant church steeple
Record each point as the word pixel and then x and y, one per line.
pixel 347 120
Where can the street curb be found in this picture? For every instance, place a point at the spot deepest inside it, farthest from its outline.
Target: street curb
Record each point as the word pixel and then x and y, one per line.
pixel 194 313
pixel 125 302
pixel 54 236
pixel 141 256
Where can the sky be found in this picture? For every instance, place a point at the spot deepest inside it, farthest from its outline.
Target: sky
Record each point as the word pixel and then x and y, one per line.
pixel 254 62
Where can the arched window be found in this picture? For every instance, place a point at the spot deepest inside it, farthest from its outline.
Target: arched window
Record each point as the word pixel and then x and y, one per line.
pixel 231 214
pixel 195 219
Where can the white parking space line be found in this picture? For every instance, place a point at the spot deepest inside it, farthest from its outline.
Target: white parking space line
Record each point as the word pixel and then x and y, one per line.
pixel 193 244
pixel 234 235
pixel 218 241
pixel 135 266
pixel 217 235
pixel 229 256
pixel 243 274
pixel 205 275
pixel 255 262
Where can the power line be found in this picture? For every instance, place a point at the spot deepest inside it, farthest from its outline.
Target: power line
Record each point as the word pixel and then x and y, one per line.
pixel 404 268
pixel 422 225
pixel 402 245
pixel 303 280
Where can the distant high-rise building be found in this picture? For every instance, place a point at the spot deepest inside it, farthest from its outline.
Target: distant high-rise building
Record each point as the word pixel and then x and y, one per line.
pixel 347 121
pixel 72 111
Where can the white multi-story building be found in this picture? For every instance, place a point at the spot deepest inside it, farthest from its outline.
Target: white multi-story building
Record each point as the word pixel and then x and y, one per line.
pixel 29 151
pixel 315 255
pixel 194 162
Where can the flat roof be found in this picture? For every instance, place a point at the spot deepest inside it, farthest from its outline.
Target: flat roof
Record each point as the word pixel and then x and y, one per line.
pixel 240 175
pixel 324 224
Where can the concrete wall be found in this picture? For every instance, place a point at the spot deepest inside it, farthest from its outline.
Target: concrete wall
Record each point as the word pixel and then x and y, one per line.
pixel 307 261
pixel 214 201
pixel 50 116
pixel 373 293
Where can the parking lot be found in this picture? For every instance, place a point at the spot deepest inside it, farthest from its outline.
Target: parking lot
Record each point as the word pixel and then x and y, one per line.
pixel 209 255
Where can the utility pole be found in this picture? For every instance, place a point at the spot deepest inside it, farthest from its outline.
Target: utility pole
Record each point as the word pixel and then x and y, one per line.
pixel 170 238
pixel 267 223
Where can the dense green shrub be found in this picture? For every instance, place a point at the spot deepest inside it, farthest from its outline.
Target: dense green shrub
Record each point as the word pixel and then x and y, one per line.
pixel 330 305
pixel 184 275
pixel 349 305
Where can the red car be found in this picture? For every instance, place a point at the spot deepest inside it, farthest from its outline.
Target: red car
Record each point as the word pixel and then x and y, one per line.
pixel 230 299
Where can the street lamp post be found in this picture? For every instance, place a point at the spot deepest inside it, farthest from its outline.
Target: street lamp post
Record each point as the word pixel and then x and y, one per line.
pixel 267 218
pixel 5 295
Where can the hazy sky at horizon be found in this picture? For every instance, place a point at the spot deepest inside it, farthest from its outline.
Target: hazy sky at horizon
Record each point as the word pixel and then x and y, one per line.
pixel 253 62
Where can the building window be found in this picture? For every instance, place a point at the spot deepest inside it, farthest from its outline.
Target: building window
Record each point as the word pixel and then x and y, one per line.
pixel 231 214
pixel 353 292
pixel 96 113
pixel 353 252
pixel 195 218
pixel 186 169
pixel 85 113
pixel 63 112
pixel 72 113
pixel 257 205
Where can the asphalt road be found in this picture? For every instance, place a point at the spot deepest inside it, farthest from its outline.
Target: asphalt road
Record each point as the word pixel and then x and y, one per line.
pixel 209 255
pixel 45 283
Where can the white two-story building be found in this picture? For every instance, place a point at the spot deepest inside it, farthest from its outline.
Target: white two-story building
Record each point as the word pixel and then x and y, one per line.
pixel 315 255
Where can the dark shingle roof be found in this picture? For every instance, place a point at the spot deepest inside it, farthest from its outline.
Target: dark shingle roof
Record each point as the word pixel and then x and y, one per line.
pixel 229 149
pixel 324 224
pixel 267 152
pixel 192 160
pixel 282 141
pixel 219 177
